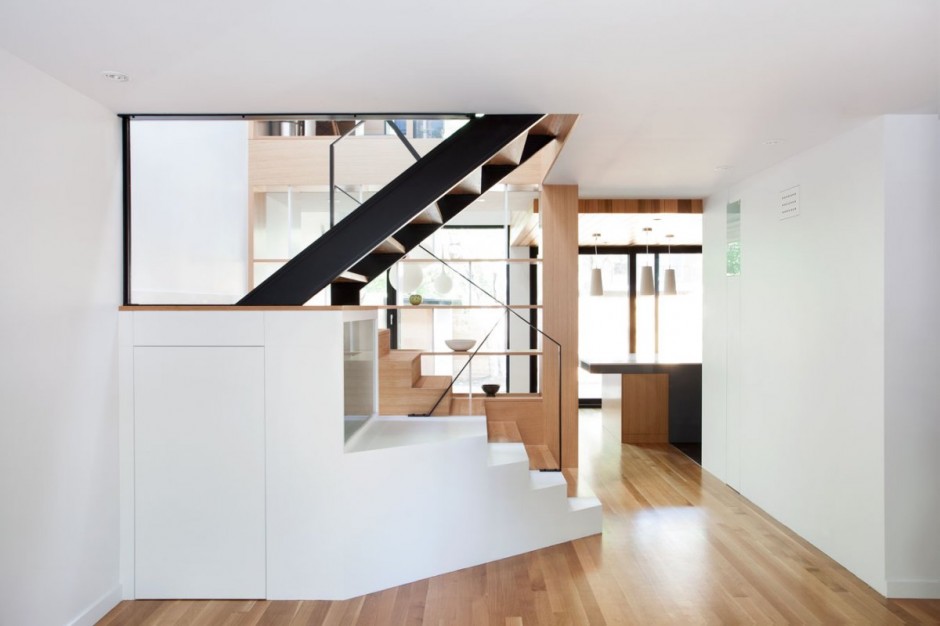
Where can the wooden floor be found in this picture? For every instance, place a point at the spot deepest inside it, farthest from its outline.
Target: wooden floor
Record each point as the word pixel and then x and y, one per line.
pixel 678 547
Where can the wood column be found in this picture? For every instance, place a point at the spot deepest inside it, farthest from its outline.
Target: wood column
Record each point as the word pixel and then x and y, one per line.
pixel 559 212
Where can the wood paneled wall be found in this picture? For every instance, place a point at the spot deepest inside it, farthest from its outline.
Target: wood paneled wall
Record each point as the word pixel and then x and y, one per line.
pixel 638 205
pixel 559 205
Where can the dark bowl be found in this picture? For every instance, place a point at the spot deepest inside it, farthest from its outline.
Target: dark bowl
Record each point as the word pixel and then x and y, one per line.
pixel 490 390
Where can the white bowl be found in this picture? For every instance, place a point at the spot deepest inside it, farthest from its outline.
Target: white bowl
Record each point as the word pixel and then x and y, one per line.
pixel 460 345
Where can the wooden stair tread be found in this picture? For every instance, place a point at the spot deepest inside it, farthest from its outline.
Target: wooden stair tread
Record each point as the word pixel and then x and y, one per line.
pixel 430 215
pixel 472 184
pixel 433 382
pixel 503 432
pixel 403 355
pixel 350 277
pixel 540 457
pixel 390 246
pixel 512 153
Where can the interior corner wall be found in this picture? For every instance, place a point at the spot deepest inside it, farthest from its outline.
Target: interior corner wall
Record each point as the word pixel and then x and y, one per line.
pixel 912 348
pixel 60 247
pixel 793 407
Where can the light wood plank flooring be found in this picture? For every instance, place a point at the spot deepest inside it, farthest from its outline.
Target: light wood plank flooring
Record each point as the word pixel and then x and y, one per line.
pixel 679 547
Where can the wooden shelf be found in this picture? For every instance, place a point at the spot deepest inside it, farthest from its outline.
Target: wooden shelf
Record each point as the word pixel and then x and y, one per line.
pixel 422 260
pixel 483 353
pixel 455 306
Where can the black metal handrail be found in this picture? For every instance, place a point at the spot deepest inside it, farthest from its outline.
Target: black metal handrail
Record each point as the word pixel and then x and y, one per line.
pixel 508 309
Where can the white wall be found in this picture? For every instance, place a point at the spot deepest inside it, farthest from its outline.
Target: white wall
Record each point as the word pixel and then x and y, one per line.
pixel 912 354
pixel 61 285
pixel 794 349
pixel 190 211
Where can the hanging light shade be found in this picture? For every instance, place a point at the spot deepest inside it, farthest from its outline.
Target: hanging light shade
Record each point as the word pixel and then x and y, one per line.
pixel 646 281
pixel 443 283
pixel 412 277
pixel 646 272
pixel 597 278
pixel 597 282
pixel 393 276
pixel 669 282
pixel 669 278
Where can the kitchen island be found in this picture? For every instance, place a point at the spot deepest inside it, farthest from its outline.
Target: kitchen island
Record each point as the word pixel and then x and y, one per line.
pixel 657 398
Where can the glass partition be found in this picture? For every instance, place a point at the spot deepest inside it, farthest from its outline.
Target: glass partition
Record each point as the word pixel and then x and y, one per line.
pixel 359 374
pixel 217 205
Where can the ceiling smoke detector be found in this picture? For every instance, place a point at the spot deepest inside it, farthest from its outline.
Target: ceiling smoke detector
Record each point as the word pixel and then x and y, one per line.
pixel 118 77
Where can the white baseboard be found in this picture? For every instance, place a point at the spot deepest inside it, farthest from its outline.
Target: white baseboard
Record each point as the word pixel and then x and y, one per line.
pixel 98 609
pixel 917 589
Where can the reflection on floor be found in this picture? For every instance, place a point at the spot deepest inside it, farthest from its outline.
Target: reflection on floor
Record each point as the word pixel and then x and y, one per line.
pixel 679 547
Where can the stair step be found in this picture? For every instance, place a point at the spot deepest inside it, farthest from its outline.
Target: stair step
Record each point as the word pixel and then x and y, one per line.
pixel 434 382
pixel 430 215
pixel 374 263
pixel 492 174
pixel 410 235
pixel 534 143
pixel 547 480
pixel 504 432
pixel 506 453
pixel 583 503
pixel 472 184
pixel 540 457
pixel 453 203
pixel 511 154
pixel 390 246
pixel 399 370
pixel 350 277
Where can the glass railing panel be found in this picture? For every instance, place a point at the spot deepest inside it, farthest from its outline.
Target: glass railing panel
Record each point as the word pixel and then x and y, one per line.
pixel 359 374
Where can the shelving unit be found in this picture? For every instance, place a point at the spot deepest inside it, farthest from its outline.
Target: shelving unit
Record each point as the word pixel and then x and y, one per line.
pixel 455 306
pixel 469 353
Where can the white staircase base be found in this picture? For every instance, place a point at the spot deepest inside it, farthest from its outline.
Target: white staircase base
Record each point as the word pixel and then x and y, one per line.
pixel 419 497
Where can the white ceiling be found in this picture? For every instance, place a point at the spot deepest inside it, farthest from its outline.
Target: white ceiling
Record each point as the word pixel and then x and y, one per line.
pixel 667 89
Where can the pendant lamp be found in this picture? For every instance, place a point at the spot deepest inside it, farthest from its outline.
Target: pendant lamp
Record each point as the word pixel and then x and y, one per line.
pixel 597 279
pixel 669 278
pixel 443 283
pixel 646 272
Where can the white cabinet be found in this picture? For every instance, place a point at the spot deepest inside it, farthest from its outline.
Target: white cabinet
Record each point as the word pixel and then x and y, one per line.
pixel 199 472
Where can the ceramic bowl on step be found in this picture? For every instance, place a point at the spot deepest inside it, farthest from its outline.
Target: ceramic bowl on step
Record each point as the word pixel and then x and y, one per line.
pixel 460 345
pixel 490 389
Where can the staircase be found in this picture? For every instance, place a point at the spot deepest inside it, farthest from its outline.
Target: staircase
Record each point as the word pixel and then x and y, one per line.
pixel 407 210
pixel 510 418
pixel 403 390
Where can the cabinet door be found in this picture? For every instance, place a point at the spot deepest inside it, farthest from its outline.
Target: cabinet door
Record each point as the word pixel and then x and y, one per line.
pixel 199 472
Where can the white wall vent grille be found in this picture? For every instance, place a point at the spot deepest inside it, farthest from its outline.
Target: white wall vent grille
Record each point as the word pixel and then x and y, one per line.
pixel 790 202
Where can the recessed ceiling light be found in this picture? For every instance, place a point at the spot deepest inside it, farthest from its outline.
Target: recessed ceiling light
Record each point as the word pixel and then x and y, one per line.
pixel 773 142
pixel 722 168
pixel 119 77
